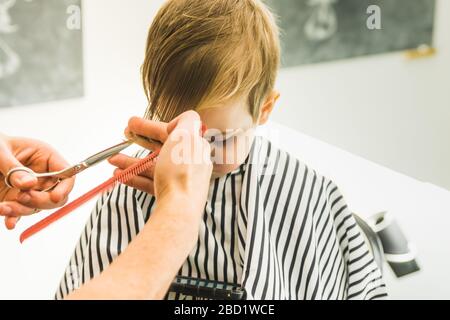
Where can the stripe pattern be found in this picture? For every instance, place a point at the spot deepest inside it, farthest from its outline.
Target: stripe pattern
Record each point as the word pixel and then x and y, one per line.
pixel 274 226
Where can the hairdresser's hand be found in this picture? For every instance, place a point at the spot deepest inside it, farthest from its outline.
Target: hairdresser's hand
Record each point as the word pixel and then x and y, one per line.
pixel 190 177
pixel 183 170
pixel 24 199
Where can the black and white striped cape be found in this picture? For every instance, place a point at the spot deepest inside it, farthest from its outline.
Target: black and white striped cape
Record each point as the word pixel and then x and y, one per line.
pixel 274 226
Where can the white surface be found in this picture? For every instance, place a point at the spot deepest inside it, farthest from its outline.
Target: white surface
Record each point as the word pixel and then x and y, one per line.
pixel 115 36
pixel 385 108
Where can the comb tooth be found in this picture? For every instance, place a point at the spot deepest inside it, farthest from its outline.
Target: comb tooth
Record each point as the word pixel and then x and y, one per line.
pixel 128 175
pixel 137 169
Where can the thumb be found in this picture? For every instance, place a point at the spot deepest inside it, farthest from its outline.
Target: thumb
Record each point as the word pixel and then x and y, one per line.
pixel 21 180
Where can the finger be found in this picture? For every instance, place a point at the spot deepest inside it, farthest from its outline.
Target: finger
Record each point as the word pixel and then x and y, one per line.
pixel 122 161
pixel 16 209
pixel 11 222
pixel 151 129
pixel 62 190
pixel 8 161
pixel 39 200
pixel 125 162
pixel 142 141
pixel 140 183
pixel 23 180
pixel 188 121
pixel 5 210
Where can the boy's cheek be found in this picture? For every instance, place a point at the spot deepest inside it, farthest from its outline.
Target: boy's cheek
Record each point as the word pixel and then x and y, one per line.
pixel 225 162
pixel 228 161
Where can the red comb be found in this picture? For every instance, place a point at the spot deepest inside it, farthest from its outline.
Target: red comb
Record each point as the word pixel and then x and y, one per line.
pixel 203 129
pixel 123 177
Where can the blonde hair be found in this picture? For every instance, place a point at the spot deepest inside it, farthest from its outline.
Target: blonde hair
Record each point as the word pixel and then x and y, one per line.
pixel 201 53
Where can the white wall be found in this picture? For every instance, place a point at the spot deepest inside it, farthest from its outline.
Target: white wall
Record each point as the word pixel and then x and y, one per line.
pixel 114 38
pixel 385 108
pixel 114 42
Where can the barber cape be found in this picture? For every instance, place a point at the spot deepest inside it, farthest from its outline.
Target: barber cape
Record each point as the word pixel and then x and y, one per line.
pixel 274 226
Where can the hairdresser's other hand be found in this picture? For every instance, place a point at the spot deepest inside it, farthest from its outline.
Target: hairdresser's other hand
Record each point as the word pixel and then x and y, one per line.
pixel 24 199
pixel 172 175
pixel 184 168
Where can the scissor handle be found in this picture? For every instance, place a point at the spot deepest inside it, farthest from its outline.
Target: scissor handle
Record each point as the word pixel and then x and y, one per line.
pixel 14 170
pixel 29 171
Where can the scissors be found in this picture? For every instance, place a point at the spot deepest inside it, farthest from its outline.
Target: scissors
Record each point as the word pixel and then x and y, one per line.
pixel 79 167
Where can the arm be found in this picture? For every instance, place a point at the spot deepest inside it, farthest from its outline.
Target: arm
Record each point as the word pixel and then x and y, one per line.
pixel 148 265
pixel 151 261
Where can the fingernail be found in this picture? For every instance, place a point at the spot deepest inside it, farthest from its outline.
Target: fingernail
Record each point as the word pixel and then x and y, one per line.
pixel 24 198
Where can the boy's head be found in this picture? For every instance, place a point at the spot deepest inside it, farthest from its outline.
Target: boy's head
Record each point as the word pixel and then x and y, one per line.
pixel 218 57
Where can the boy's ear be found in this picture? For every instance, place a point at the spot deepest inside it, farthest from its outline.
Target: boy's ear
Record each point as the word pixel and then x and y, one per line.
pixel 267 108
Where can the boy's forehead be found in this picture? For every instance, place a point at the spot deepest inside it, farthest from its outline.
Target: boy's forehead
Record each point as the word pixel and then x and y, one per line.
pixel 227 116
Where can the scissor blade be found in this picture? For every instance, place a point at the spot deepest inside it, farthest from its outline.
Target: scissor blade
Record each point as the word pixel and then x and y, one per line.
pixel 105 154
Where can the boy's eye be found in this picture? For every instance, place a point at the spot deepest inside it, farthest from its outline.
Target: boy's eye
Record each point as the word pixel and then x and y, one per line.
pixel 222 137
pixel 216 139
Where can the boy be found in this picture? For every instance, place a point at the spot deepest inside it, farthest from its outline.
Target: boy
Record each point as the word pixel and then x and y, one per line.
pixel 271 224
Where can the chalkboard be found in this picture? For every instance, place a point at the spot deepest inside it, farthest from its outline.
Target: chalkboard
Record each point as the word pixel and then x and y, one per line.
pixel 324 30
pixel 40 51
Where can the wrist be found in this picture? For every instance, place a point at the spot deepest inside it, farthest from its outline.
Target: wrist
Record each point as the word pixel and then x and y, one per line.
pixel 179 201
pixel 177 209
